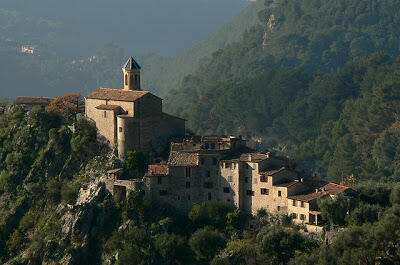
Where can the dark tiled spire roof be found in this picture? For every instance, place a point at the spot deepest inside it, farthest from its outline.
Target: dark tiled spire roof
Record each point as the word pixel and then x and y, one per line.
pixel 131 64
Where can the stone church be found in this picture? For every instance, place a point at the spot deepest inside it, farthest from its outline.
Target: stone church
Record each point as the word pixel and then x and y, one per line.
pixel 131 118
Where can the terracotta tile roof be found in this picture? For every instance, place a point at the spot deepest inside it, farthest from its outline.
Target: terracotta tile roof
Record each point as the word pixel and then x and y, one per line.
pixel 289 184
pixel 33 100
pixel 334 188
pixel 308 197
pixel 117 94
pixel 155 170
pixel 182 159
pixel 108 107
pixel 329 188
pixel 273 172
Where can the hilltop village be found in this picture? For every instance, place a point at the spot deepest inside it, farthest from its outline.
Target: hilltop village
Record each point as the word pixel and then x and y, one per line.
pixel 199 169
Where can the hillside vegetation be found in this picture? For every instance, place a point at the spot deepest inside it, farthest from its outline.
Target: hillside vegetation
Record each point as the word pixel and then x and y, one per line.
pixel 303 84
pixel 46 219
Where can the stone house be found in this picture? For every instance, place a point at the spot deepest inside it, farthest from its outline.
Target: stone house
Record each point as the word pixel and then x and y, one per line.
pixel 29 102
pixel 130 118
pixel 303 207
pixel 226 171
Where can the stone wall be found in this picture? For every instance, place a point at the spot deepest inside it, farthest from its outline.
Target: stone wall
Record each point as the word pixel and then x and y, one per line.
pixel 106 124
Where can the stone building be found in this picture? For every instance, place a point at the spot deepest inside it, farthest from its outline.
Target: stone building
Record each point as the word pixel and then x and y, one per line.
pixel 202 169
pixel 131 118
pixel 303 207
pixel 29 102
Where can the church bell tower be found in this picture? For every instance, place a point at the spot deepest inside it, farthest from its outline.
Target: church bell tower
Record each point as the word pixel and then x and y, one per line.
pixel 131 71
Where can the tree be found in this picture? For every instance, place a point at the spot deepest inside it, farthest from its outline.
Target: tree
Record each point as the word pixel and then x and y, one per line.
pixel 395 194
pixel 278 244
pixel 334 210
pixel 206 243
pixel 136 162
pixel 172 248
pixel 213 213
pixel 69 105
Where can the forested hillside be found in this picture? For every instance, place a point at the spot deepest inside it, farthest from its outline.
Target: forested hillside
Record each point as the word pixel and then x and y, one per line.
pixel 297 78
pixel 46 218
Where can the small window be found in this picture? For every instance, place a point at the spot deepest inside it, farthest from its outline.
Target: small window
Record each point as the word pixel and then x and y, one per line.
pixel 302 204
pixel 293 215
pixel 264 191
pixel 209 196
pixel 250 193
pixel 294 203
pixel 255 181
pixel 163 192
pixel 120 129
pixel 208 173
pixel 136 79
pixel 105 114
pixel 202 161
pixel 188 197
pixel 159 180
pixel 228 200
pixel 215 161
pixel 188 185
pixel 226 190
pixel 279 193
pixel 206 146
pixel 278 208
pixel 302 217
pixel 264 178
pixel 188 172
pixel 230 178
pixel 213 146
pixel 246 180
pixel 126 80
pixel 178 198
pixel 228 165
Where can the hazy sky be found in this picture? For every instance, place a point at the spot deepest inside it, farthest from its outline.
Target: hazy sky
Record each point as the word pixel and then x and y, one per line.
pixel 165 27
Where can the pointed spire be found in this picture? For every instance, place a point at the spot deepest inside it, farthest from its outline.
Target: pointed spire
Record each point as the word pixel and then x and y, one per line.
pixel 131 64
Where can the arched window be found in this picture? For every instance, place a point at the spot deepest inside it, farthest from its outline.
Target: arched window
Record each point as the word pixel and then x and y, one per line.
pixel 126 80
pixel 136 80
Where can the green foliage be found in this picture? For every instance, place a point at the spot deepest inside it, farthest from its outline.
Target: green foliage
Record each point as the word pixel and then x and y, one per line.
pixel 206 243
pixel 138 248
pixel 84 141
pixel 364 213
pixel 53 191
pixel 14 244
pixel 243 251
pixel 395 195
pixel 334 210
pixel 173 248
pixel 214 214
pixel 136 163
pixel 278 245
pixel 69 192
pixel 29 220
pixel 233 220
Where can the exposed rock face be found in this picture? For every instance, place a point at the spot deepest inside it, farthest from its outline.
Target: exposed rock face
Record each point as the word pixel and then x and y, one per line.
pixel 82 222
pixel 270 28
